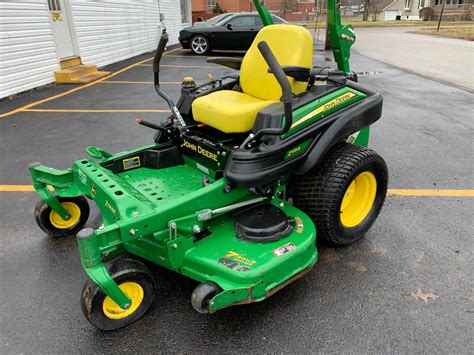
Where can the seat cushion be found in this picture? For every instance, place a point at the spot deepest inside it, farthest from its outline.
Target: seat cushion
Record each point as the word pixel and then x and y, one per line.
pixel 228 111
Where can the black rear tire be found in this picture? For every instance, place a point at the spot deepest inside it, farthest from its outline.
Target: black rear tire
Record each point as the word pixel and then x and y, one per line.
pixel 320 192
pixel 128 272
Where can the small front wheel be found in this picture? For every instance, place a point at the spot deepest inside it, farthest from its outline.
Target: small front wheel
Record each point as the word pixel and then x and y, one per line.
pixel 52 224
pixel 202 295
pixel 134 279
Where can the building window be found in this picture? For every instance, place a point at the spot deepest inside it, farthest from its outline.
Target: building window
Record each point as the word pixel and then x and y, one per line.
pixel 407 4
pixel 211 4
pixel 185 13
pixel 421 4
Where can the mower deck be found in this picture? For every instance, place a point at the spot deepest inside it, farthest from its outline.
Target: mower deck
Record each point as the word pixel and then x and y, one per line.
pixel 249 271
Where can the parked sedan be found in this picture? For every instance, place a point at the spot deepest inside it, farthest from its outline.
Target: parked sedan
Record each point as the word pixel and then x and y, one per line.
pixel 234 32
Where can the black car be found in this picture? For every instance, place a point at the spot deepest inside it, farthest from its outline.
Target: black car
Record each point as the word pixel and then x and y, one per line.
pixel 231 32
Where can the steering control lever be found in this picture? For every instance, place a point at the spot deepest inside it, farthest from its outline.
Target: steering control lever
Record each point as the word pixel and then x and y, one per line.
pixel 156 71
pixel 150 125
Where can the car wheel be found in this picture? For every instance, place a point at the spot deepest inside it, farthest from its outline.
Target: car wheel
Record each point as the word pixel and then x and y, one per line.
pixel 200 45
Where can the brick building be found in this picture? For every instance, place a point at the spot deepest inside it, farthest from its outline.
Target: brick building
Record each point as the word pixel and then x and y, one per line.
pixel 291 10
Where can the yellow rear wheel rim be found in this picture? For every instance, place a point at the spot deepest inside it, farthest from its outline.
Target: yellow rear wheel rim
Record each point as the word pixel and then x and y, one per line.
pixel 73 210
pixel 134 292
pixel 358 199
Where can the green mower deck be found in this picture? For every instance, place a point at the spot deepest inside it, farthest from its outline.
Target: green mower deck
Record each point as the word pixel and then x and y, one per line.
pixel 162 214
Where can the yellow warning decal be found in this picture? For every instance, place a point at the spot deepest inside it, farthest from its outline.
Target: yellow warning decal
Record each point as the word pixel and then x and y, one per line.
pixel 131 163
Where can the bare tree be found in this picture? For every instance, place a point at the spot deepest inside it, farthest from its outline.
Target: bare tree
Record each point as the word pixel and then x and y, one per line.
pixel 287 5
pixel 369 6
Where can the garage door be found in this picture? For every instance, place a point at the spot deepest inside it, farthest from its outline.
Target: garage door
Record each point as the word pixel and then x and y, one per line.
pixel 390 15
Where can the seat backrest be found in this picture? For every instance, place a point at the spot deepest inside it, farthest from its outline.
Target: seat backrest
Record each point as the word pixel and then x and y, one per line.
pixel 291 45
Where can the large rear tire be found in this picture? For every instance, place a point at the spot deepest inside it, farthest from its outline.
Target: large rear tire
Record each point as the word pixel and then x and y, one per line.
pixel 344 194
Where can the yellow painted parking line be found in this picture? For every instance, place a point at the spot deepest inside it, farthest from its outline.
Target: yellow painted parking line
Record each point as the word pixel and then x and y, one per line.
pixel 437 192
pixel 136 110
pixel 39 102
pixel 19 188
pixel 16 188
pixel 140 82
pixel 184 66
pixel 391 192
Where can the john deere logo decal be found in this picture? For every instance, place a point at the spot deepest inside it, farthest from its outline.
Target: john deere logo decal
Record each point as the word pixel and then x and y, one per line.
pixel 327 106
pixel 200 150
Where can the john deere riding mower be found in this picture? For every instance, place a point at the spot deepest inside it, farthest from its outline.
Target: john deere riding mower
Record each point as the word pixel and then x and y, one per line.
pixel 235 185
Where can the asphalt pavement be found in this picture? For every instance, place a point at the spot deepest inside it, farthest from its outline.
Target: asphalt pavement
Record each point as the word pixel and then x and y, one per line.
pixel 446 59
pixel 358 299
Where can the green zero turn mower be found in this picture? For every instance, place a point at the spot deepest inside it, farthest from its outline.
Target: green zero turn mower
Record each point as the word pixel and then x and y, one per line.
pixel 237 181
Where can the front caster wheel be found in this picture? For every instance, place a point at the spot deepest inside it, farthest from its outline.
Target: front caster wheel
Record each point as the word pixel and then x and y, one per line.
pixel 52 224
pixel 202 295
pixel 134 280
pixel 344 194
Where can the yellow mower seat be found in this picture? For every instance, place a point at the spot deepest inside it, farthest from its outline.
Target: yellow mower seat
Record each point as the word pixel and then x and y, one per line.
pixel 228 111
pixel 235 112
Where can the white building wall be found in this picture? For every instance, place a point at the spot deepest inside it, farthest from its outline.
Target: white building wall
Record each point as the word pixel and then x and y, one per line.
pixel 172 11
pixel 27 53
pixel 106 31
pixel 109 31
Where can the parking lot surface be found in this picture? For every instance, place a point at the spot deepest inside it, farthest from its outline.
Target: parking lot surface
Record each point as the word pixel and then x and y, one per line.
pixel 445 59
pixel 358 299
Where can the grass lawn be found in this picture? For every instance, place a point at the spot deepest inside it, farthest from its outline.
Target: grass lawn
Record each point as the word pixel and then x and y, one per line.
pixel 358 23
pixel 461 32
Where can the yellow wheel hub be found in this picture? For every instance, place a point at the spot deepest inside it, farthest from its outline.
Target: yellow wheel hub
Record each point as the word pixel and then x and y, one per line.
pixel 133 291
pixel 73 210
pixel 358 199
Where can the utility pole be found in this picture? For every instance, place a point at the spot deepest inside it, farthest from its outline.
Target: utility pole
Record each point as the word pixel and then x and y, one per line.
pixel 441 15
pixel 327 42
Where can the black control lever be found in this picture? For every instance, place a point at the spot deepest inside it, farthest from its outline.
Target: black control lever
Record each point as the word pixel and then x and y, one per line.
pixel 150 124
pixel 156 71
